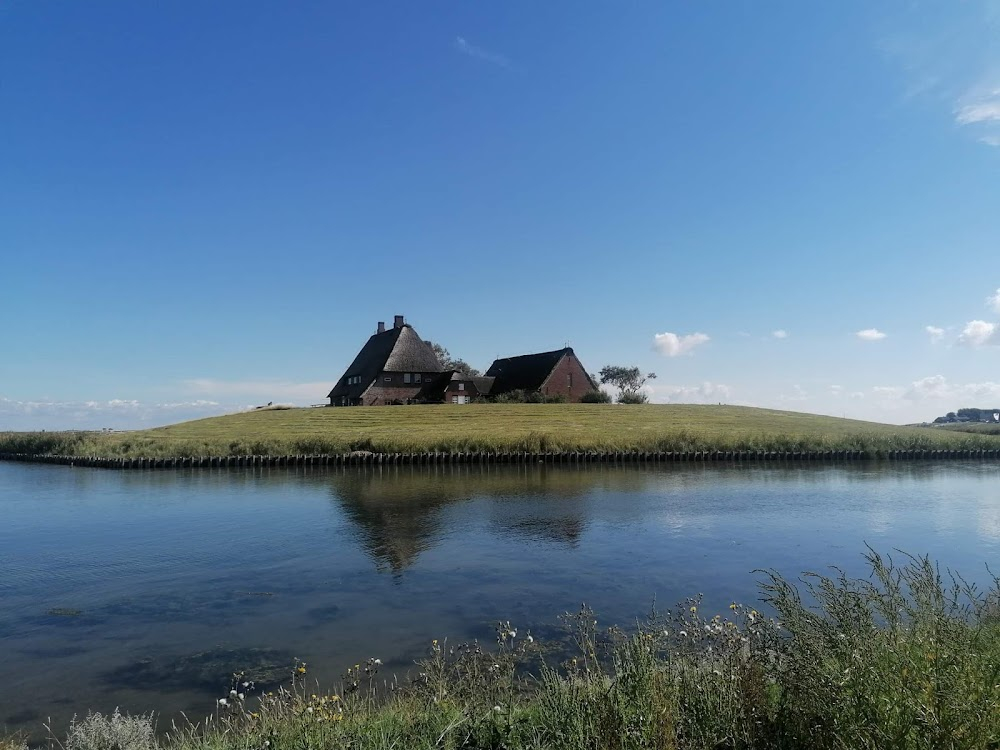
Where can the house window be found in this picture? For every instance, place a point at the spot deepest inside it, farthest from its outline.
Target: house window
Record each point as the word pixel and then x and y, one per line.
pixel 454 399
pixel 388 378
pixel 569 380
pixel 406 377
pixel 461 386
pixel 416 378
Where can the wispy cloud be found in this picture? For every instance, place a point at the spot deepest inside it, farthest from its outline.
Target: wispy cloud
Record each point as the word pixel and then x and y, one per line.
pixel 951 59
pixel 259 390
pixel 985 110
pixel 994 302
pixel 780 334
pixel 935 333
pixel 704 393
pixel 90 415
pixel 672 345
pixel 870 334
pixel 466 48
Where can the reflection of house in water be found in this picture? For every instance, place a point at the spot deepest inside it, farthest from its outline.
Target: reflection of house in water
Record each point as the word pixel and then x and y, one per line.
pixel 401 511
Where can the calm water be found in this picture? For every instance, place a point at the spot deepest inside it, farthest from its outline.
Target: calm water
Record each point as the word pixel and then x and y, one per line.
pixel 182 578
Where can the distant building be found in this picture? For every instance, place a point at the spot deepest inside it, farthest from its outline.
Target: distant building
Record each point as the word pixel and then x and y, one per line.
pixel 391 368
pixel 396 366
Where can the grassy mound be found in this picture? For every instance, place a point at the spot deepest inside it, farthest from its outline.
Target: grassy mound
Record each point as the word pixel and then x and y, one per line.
pixel 499 427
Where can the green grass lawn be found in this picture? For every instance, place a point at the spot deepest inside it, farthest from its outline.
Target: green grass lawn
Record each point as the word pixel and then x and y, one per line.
pixel 499 427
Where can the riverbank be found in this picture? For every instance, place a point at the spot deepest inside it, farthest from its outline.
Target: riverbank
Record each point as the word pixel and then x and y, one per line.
pixel 500 429
pixel 900 659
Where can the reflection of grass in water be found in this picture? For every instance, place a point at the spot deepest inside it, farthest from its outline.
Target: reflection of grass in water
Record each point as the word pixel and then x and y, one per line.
pixel 324 614
pixel 208 670
pixel 64 612
pixel 214 608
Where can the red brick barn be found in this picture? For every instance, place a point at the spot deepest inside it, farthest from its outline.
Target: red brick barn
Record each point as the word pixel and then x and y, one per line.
pixel 558 373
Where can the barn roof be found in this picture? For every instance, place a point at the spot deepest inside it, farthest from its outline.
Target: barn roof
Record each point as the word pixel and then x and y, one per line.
pixel 526 372
pixel 396 350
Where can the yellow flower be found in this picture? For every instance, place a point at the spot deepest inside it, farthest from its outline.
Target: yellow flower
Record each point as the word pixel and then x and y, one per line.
pixel 733 606
pixel 694 609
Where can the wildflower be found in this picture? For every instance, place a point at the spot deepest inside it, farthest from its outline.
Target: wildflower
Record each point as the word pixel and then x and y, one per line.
pixel 241 696
pixel 377 662
pixel 232 693
pixel 529 638
pixel 223 702
pixel 683 634
pixel 694 608
pixel 497 709
pixel 301 670
pixel 733 606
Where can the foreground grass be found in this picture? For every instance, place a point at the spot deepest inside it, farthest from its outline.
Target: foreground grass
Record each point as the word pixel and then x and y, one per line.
pixel 904 659
pixel 500 427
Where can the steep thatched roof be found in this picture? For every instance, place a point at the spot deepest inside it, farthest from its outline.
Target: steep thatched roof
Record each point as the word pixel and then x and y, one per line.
pixel 526 372
pixel 396 350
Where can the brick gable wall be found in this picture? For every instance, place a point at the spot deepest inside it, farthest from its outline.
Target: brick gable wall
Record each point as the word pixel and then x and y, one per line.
pixel 558 382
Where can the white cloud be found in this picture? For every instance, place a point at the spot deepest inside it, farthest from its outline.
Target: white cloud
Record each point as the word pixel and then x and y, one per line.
pixel 935 333
pixel 994 301
pixel 780 334
pixel 980 333
pixel 705 393
pixel 836 390
pixel 479 53
pixel 870 334
pixel 672 345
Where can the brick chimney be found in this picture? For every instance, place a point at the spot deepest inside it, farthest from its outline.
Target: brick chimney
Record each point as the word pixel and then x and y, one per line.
pixel 381 327
pixel 398 322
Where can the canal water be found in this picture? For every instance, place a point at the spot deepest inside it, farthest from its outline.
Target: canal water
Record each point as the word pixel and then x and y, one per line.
pixel 146 590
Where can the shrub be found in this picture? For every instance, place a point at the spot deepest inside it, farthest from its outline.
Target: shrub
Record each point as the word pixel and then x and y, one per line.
pixel 115 732
pixel 633 398
pixel 596 397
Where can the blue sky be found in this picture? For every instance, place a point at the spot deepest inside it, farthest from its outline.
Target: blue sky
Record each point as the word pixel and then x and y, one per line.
pixel 205 206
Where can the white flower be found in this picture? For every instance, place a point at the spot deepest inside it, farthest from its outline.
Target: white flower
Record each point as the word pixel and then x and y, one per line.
pixel 378 662
pixel 497 709
pixel 232 693
pixel 684 634
pixel 241 696
pixel 223 702
pixel 530 639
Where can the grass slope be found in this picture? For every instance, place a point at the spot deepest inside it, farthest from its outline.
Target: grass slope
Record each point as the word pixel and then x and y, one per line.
pixel 531 427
